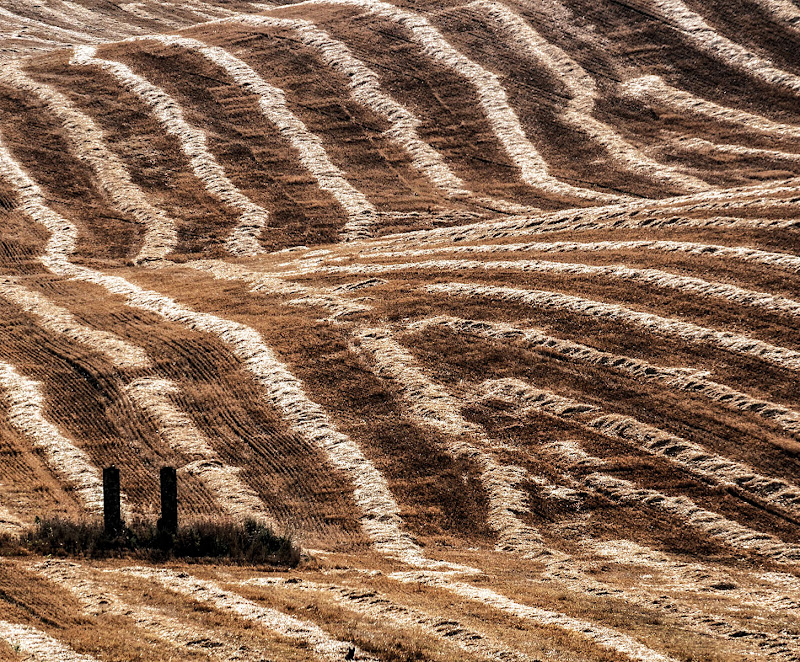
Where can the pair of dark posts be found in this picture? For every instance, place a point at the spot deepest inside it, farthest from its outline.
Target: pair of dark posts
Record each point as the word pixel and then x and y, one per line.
pixel 112 513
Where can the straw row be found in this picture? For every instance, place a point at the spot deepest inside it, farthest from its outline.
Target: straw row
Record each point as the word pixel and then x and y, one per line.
pixel 252 219
pixel 663 326
pixel 492 99
pixel 693 457
pixel 583 90
pixel 694 382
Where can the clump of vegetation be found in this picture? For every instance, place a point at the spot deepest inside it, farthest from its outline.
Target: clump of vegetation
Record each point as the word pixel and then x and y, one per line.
pixel 247 542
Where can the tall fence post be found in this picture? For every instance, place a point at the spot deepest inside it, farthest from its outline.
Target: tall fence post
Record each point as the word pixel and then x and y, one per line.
pixel 112 514
pixel 169 501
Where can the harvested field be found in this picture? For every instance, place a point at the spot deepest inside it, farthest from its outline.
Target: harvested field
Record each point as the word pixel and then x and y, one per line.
pixel 493 306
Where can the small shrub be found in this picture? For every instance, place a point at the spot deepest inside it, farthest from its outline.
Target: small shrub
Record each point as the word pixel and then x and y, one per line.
pixel 248 542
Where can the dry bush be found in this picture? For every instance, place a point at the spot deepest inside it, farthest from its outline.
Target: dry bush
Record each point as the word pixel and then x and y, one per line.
pixel 246 542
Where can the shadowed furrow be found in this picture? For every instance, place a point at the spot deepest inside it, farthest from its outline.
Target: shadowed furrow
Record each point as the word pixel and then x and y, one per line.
pixel 684 509
pixel 655 91
pixel 605 219
pixel 119 352
pixel 365 88
pixel 75 18
pixel 663 326
pixel 571 575
pixel 580 445
pixel 178 430
pixel 692 577
pixel 655 277
pixel 492 98
pixel 88 143
pixel 784 261
pixel 720 150
pixel 600 635
pixel 785 11
pixel 689 455
pixel 688 513
pixel 261 283
pixel 25 403
pixel 679 378
pixel 282 390
pixel 382 609
pixel 138 10
pixel 704 38
pixel 178 633
pixel 583 90
pixel 272 102
pixel 63 35
pixel 244 239
pixel 431 406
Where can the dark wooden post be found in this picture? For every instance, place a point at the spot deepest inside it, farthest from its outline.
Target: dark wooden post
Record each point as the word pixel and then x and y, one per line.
pixel 112 515
pixel 169 501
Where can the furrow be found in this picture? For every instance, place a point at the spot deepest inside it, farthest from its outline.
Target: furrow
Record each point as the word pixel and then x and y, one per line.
pixel 431 406
pixel 785 11
pixel 678 378
pixel 576 576
pixel 49 15
pixel 589 220
pixel 151 396
pixel 179 431
pixel 366 90
pixel 272 102
pixel 138 9
pixel 25 403
pixel 281 389
pixel 243 240
pixel 98 598
pixel 705 39
pixel 491 97
pixel 663 326
pixel 385 611
pixel 693 457
pixel 120 353
pixel 89 145
pixel 668 213
pixel 655 91
pixel 785 261
pixel 583 90
pixel 600 635
pixel 657 278
pixel 310 634
pixel 700 580
pixel 38 646
pixel 75 10
pixel 688 513
pixel 703 147
pixel 730 533
pixel 740 636
pixel 208 11
pixel 65 36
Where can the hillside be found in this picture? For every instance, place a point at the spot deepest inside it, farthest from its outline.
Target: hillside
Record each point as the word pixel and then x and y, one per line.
pixel 493 306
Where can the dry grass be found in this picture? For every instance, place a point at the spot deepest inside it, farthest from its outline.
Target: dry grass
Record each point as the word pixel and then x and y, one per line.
pixel 247 542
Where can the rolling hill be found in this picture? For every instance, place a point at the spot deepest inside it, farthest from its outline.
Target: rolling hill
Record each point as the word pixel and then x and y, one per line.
pixel 494 306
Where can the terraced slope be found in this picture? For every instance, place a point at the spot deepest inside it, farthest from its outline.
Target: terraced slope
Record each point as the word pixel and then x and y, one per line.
pixel 493 305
